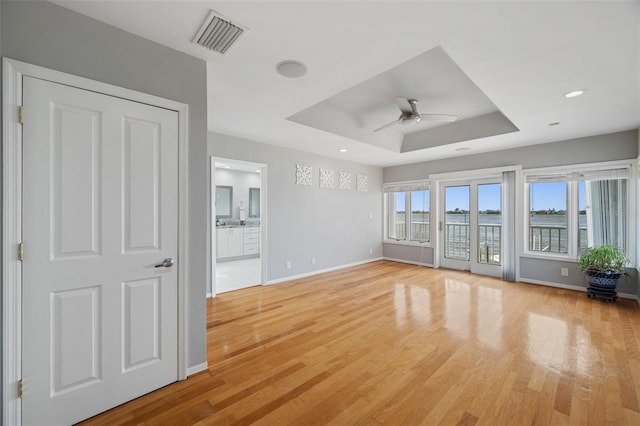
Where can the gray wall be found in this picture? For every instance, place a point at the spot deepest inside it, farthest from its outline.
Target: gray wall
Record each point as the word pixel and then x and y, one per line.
pixel 419 255
pixel 48 35
pixel 609 147
pixel 331 225
pixel 613 146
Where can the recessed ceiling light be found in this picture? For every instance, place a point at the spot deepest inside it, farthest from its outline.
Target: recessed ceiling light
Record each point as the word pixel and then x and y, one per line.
pixel 227 167
pixel 555 123
pixel 291 69
pixel 258 171
pixel 575 93
pixel 462 149
pixel 343 149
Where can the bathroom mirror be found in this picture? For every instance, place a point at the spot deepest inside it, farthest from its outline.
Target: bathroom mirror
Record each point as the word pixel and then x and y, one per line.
pixel 254 202
pixel 224 201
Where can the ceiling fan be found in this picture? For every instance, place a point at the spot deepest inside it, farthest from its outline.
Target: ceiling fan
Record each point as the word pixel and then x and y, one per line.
pixel 410 115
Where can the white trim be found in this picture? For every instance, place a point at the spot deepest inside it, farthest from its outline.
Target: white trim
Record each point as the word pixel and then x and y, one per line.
pixel 13 71
pixel 410 243
pixel 321 271
pixel 197 368
pixel 411 262
pixel 183 237
pixel 573 287
pixel 11 237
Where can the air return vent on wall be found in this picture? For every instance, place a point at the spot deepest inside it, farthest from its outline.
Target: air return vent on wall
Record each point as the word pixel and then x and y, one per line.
pixel 218 33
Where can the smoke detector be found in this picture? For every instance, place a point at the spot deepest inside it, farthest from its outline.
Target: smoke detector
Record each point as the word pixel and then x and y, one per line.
pixel 218 33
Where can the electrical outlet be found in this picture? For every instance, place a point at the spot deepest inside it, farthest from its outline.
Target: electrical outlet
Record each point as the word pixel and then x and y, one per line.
pixel 288 264
pixel 370 215
pixel 564 272
pixel 313 260
pixel 370 251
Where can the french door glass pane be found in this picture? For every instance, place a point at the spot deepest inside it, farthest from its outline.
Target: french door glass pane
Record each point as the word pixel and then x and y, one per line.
pixel 489 223
pixel 456 227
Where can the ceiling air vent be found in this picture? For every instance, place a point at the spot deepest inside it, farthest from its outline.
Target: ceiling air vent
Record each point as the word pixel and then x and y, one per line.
pixel 217 33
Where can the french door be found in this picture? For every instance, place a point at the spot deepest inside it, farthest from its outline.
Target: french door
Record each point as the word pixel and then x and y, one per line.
pixel 470 227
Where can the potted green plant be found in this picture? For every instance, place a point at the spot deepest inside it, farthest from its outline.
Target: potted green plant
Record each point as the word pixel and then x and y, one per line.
pixel 603 266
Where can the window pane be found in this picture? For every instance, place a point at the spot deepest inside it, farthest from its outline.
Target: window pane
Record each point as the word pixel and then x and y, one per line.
pixel 396 215
pixel 604 206
pixel 420 216
pixel 490 223
pixel 456 223
pixel 548 217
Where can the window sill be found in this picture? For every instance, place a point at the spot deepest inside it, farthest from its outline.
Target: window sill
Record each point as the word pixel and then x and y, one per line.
pixel 551 256
pixel 408 243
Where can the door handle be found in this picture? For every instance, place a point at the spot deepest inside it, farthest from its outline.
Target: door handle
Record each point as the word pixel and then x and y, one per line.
pixel 167 263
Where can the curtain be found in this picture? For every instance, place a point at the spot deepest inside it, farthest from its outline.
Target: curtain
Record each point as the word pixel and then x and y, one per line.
pixel 509 256
pixel 606 212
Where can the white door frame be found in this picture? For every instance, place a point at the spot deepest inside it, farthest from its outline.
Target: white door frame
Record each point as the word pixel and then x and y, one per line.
pixel 472 264
pixel 263 218
pixel 13 72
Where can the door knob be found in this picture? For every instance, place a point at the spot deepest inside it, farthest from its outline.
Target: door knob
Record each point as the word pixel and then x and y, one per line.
pixel 167 263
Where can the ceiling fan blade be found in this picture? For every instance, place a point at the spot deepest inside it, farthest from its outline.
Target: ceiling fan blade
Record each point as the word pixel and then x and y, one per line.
pixel 441 118
pixel 393 123
pixel 404 105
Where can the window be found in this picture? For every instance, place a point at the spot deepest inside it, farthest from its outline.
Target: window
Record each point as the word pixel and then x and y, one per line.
pixel 548 223
pixel 569 212
pixel 408 212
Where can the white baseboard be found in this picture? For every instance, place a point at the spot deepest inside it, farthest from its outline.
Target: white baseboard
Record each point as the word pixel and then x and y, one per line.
pixel 574 287
pixel 320 271
pixel 197 368
pixel 210 295
pixel 411 262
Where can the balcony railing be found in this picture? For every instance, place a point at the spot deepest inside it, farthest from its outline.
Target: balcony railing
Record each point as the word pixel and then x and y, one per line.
pixel 550 239
pixel 553 239
pixel 420 231
pixel 489 242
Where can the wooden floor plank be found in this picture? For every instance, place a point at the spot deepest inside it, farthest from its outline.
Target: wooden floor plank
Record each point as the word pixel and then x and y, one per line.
pixel 390 343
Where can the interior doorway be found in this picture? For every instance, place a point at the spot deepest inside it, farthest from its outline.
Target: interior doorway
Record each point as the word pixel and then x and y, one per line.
pixel 238 224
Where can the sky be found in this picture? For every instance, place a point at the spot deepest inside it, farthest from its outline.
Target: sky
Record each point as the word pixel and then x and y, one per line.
pixel 544 196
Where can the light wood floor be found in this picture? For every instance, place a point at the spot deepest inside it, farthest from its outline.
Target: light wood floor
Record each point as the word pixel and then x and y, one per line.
pixel 388 343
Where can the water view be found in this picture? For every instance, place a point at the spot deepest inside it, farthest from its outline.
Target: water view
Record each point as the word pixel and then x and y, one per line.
pixel 547 233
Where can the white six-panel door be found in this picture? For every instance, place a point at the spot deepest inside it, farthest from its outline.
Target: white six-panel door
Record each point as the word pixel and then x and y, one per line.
pixel 100 203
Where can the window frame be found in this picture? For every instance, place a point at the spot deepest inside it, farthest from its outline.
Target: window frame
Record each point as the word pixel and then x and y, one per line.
pixel 573 208
pixel 407 187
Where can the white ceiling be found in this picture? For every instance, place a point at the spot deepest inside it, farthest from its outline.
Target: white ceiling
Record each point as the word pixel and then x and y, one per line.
pixel 523 55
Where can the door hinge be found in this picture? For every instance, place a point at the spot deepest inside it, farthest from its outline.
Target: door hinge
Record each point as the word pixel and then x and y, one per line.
pixel 20 388
pixel 21 252
pixel 21 114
